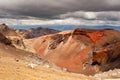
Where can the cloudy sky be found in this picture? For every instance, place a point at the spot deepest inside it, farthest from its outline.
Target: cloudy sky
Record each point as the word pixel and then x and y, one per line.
pixel 60 11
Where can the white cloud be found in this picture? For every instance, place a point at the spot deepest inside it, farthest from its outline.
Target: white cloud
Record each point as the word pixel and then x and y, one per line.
pixel 68 21
pixel 103 15
pixel 89 15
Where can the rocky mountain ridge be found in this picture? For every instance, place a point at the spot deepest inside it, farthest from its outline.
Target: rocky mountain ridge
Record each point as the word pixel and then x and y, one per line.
pixel 86 51
pixel 91 51
pixel 27 34
pixel 23 39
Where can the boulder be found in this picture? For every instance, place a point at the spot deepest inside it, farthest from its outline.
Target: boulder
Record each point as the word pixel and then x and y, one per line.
pixel 84 51
pixel 5 40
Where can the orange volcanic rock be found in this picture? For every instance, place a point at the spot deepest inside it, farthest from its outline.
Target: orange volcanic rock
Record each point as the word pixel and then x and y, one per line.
pixel 84 51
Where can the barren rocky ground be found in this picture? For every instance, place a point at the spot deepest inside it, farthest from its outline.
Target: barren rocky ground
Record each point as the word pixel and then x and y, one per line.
pixel 18 63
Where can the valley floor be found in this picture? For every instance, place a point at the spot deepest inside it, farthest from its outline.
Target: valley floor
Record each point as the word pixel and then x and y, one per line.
pixel 17 64
pixel 15 67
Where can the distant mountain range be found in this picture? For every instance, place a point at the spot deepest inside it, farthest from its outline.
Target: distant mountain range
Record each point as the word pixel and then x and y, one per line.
pixel 64 27
pixel 26 33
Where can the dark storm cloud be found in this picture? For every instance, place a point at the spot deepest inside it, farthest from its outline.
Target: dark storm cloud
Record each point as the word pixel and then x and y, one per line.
pixel 51 8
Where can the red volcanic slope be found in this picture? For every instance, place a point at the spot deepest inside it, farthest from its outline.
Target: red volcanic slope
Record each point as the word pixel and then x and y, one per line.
pixel 84 51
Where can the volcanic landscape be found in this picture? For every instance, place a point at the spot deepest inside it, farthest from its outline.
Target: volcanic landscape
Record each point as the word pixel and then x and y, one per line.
pixel 47 54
